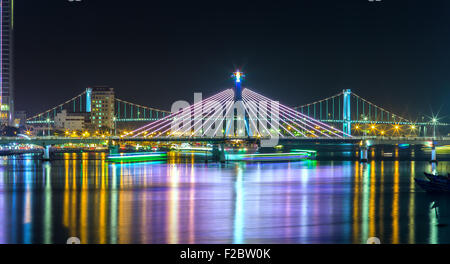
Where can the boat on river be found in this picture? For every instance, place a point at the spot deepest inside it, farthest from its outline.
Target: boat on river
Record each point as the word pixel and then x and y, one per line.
pixel 137 157
pixel 271 157
pixel 437 177
pixel 434 183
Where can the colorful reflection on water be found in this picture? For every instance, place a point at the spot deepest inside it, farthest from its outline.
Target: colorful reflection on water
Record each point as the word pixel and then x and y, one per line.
pixel 184 201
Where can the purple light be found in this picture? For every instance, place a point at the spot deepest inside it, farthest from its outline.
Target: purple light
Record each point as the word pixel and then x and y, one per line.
pixel 167 120
pixel 312 127
pixel 208 104
pixel 307 118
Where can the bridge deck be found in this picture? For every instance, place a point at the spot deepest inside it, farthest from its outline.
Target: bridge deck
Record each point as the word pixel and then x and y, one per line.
pixel 42 141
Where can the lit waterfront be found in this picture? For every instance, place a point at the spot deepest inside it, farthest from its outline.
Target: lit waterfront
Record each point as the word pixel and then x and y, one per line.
pixel 183 201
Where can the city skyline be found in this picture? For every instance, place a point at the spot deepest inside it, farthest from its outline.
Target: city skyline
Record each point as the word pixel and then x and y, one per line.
pixel 281 54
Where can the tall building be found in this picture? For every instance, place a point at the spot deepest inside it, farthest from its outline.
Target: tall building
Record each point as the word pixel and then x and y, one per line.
pixel 102 107
pixel 6 65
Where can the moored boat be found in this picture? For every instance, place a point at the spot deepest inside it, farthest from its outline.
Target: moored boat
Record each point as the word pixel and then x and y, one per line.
pixel 270 157
pixel 437 177
pixel 434 183
pixel 433 186
pixel 137 157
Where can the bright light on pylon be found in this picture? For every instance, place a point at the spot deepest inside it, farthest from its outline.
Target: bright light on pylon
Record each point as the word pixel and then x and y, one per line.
pixel 238 75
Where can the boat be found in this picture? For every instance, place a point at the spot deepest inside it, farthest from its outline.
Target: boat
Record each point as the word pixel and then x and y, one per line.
pixel 270 157
pixel 437 177
pixel 433 186
pixel 434 183
pixel 137 157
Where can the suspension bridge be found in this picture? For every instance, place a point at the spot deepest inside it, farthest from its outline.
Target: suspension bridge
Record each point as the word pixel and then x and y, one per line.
pixel 359 116
pixel 124 111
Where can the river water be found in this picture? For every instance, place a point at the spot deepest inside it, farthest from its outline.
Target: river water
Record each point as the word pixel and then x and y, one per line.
pixel 187 201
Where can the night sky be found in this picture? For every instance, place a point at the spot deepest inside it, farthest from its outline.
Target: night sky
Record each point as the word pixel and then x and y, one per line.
pixel 395 53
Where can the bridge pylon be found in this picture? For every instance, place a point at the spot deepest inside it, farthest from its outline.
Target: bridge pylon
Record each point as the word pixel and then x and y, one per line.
pixel 239 104
pixel 88 100
pixel 347 115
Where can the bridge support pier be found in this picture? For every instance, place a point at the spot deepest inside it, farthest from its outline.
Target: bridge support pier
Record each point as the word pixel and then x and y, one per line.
pixel 433 160
pixel 113 149
pixel 47 154
pixel 219 153
pixel 364 153
pixel 222 153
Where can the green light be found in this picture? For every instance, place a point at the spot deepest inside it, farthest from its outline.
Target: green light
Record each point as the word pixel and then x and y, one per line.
pixel 136 157
pixel 12 14
pixel 269 156
pixel 302 150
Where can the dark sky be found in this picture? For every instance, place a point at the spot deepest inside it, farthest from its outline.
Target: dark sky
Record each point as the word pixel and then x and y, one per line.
pixel 395 53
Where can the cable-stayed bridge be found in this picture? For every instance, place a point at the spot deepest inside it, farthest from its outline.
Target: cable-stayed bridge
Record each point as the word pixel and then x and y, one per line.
pixel 242 115
pixel 241 112
pixel 225 116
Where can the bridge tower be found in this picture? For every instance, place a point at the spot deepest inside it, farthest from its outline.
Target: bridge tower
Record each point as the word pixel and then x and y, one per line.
pixel 88 100
pixel 238 89
pixel 347 115
pixel 238 76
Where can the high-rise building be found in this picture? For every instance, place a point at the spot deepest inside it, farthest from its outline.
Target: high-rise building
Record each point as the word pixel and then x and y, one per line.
pixel 6 65
pixel 102 107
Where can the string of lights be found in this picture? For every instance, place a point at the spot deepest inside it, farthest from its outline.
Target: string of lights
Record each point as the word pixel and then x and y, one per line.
pixel 141 106
pixel 56 107
pixel 183 113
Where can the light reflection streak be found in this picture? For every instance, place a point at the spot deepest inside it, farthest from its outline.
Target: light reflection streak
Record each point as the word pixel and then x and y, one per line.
pixel 304 219
pixel 144 208
pixel 125 213
pixel 48 205
pixel 173 224
pixel 83 221
pixel 103 203
pixel 238 224
pixel 192 206
pixel 114 202
pixel 66 191
pixel 287 203
pixel 372 216
pixel 412 204
pixel 395 205
pixel 356 195
pixel 3 210
pixel 381 206
pixel 433 220
pixel 347 215
pixel 28 217
pixel 73 206
pixel 365 202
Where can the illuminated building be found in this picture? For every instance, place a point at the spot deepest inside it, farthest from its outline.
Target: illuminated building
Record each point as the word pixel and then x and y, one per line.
pixel 6 72
pixel 70 121
pixel 102 107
